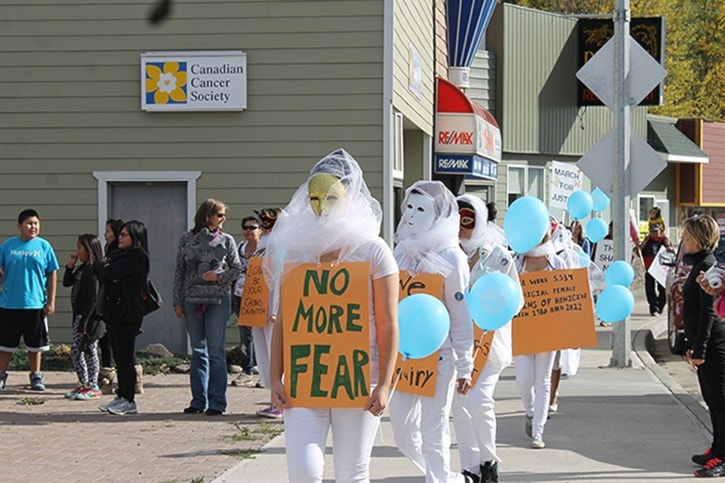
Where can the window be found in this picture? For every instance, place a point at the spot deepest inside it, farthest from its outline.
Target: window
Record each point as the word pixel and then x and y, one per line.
pixel 524 181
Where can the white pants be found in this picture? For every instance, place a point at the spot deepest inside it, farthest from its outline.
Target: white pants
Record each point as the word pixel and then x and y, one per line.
pixel 262 337
pixel 421 428
pixel 533 378
pixel 475 420
pixel 353 434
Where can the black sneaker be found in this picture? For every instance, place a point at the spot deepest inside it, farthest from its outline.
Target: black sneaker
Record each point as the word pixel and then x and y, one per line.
pixel 469 477
pixel 489 472
pixel 702 459
pixel 713 468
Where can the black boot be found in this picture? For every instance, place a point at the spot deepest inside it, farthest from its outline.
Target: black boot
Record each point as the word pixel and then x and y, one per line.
pixel 489 472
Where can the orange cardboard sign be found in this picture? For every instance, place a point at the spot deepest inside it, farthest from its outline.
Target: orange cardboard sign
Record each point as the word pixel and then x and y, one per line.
pixel 326 327
pixel 255 296
pixel 481 347
pixel 418 376
pixel 557 313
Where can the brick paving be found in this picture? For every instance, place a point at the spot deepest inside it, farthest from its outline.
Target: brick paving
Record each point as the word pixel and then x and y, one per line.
pixel 63 440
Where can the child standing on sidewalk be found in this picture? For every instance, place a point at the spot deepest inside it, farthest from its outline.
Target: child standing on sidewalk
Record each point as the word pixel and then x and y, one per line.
pixel 83 302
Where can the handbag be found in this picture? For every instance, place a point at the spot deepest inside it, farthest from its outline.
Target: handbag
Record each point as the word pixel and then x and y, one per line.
pixel 151 300
pixel 95 329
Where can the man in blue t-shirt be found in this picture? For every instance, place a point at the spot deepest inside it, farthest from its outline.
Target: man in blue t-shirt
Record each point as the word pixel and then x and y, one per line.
pixel 27 296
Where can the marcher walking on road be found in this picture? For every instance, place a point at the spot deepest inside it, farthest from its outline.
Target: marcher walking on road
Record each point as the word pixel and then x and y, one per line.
pixel 332 219
pixel 474 416
pixel 650 246
pixel 427 242
pixel 533 371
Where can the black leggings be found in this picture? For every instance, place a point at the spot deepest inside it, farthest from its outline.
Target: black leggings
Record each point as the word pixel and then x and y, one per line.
pixel 123 342
pixel 711 376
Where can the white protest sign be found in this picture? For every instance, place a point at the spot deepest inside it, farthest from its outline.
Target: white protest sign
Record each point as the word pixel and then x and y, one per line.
pixel 566 178
pixel 657 270
pixel 604 254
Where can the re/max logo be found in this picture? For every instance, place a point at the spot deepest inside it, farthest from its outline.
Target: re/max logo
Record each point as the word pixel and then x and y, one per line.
pixel 455 137
pixel 448 163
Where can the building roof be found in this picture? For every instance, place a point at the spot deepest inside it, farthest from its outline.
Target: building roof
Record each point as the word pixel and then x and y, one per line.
pixel 671 143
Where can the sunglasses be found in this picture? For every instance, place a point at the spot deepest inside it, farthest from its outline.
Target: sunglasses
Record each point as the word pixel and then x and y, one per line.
pixel 248 227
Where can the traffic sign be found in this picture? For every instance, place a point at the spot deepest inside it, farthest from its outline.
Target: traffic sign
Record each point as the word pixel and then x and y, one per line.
pixel 644 73
pixel 598 164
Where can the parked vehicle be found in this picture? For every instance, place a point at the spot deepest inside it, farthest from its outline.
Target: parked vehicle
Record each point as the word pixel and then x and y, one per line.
pixel 675 280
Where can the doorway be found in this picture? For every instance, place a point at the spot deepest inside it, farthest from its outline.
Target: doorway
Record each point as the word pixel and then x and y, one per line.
pixel 165 205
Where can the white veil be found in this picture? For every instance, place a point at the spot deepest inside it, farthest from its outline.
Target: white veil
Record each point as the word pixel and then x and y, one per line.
pixel 421 252
pixel 301 236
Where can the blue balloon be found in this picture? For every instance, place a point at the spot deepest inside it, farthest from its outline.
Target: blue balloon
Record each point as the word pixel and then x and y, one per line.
pixel 525 224
pixel 597 229
pixel 600 200
pixel 615 303
pixel 619 273
pixel 579 204
pixel 493 300
pixel 584 260
pixel 424 324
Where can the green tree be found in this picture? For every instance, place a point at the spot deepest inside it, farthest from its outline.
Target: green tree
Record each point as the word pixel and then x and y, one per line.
pixel 694 49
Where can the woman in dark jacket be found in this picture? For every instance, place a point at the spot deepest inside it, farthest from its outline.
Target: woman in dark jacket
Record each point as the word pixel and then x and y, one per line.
pixel 124 274
pixel 705 337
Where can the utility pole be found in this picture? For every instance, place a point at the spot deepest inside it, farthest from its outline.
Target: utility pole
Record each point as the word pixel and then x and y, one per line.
pixel 621 333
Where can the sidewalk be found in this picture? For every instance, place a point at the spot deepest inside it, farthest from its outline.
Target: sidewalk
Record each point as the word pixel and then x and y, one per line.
pixel 613 425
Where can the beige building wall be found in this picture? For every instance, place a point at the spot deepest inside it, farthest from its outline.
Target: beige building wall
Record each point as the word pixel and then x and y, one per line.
pixel 70 105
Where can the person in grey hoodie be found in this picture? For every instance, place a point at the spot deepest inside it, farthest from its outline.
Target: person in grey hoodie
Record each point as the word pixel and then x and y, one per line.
pixel 207 264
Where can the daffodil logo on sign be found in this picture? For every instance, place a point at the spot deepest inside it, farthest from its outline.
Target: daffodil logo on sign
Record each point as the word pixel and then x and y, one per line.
pixel 166 83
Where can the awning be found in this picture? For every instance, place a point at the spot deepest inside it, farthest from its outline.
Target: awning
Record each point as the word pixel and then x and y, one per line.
pixel 466 129
pixel 672 144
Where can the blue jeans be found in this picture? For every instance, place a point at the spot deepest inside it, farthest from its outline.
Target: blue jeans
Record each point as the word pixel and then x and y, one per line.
pixel 207 332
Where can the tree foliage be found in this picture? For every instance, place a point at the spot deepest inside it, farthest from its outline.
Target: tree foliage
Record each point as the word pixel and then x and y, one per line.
pixel 694 49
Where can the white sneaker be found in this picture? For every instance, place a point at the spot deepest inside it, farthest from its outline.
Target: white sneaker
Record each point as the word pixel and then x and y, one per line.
pixel 104 407
pixel 538 443
pixel 123 407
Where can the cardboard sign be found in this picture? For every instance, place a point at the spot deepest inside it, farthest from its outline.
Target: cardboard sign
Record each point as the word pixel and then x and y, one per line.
pixel 326 327
pixel 557 313
pixel 481 347
pixel 418 376
pixel 255 297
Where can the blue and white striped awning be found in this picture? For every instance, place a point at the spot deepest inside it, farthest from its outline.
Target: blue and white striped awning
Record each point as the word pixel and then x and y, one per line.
pixel 467 22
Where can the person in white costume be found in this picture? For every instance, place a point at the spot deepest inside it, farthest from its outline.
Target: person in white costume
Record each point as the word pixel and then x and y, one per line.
pixel 332 218
pixel 427 243
pixel 533 371
pixel 473 413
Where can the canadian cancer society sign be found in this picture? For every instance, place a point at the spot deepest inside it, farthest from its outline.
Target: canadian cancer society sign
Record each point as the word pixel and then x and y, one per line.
pixel 194 81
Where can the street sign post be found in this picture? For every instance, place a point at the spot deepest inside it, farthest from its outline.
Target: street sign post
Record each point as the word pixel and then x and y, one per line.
pixel 631 165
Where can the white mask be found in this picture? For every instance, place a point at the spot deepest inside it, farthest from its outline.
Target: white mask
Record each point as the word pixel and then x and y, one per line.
pixel 419 214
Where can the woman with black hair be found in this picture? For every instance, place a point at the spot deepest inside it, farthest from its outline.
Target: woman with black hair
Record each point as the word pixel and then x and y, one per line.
pixel 107 373
pixel 124 273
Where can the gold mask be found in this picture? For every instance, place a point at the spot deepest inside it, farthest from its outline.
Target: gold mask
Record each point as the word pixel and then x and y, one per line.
pixel 324 191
